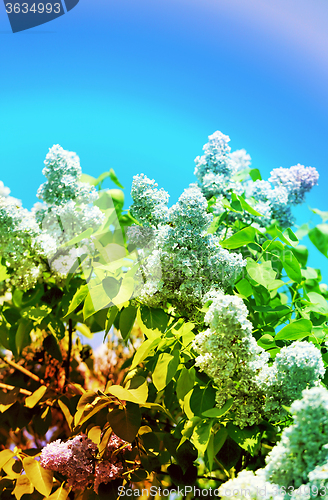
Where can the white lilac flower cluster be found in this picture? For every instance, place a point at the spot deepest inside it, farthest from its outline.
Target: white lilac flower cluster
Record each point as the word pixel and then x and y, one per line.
pixel 249 486
pixel 297 467
pixel 295 368
pixel 182 261
pixel 218 174
pixel 228 353
pixel 67 209
pixel 30 241
pixel 20 245
pixel 151 207
pixel 215 170
pixel 77 460
pixel 304 445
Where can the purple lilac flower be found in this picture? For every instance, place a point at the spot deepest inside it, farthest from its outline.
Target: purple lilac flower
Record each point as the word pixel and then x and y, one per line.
pixel 298 180
pixel 76 459
pixel 106 471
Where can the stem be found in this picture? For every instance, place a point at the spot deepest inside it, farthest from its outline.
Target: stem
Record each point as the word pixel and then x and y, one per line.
pixel 11 387
pixel 222 468
pixel 22 369
pixel 70 342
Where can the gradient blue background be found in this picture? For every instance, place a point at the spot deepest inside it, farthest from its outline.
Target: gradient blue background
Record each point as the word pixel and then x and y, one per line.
pixel 139 85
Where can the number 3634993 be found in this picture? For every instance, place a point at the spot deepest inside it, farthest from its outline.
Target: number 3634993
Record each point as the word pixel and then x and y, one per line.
pixel 36 8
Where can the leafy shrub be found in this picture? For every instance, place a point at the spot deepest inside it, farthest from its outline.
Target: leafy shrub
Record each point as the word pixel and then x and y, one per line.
pixel 211 374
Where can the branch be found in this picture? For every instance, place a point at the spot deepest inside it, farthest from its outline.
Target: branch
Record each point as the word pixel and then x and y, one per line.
pixel 69 353
pixel 11 387
pixel 23 370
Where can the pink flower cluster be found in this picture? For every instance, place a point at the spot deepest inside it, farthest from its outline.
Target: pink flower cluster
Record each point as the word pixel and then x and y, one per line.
pixel 76 459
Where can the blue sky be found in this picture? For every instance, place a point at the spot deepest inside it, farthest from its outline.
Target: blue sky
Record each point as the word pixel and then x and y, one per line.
pixel 138 86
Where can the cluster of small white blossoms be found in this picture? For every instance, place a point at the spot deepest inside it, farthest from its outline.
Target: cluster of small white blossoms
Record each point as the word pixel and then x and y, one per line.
pixel 183 262
pixel 219 172
pixel 228 353
pixel 30 241
pixel 76 459
pixel 295 368
pixel 67 208
pixel 215 170
pixel 20 244
pixel 249 486
pixel 297 467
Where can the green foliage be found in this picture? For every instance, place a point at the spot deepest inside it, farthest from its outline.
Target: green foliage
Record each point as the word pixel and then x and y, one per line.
pixel 158 399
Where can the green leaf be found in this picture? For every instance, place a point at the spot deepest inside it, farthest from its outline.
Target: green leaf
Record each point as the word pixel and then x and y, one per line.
pixel 247 438
pixel 243 237
pixel 244 287
pixel 96 300
pixel 144 350
pixel 111 287
pixel 219 439
pixel 125 292
pixel 138 387
pixel 36 314
pixel 319 237
pixel 83 236
pixel 50 344
pixel 39 477
pixel 323 215
pixel 185 382
pixel 266 341
pixel 255 174
pixel 66 412
pixel 302 231
pixel 125 423
pixel 154 319
pixel 127 319
pixel 210 452
pixel 235 203
pixel 23 486
pixel 88 179
pixel 5 337
pixel 198 400
pixel 215 224
pixel 111 316
pixel 90 410
pixel 5 456
pixel 7 399
pixel 59 494
pixel 22 337
pixel 114 178
pixel 218 412
pixel 201 435
pixel 248 208
pixel 296 330
pixel 309 273
pixel 291 265
pixel 127 395
pixel 3 273
pixel 32 400
pixel 301 253
pixel 261 273
pixel 79 297
pixel 117 197
pixel 165 369
pixel 291 235
pixel 318 303
pixel 85 330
